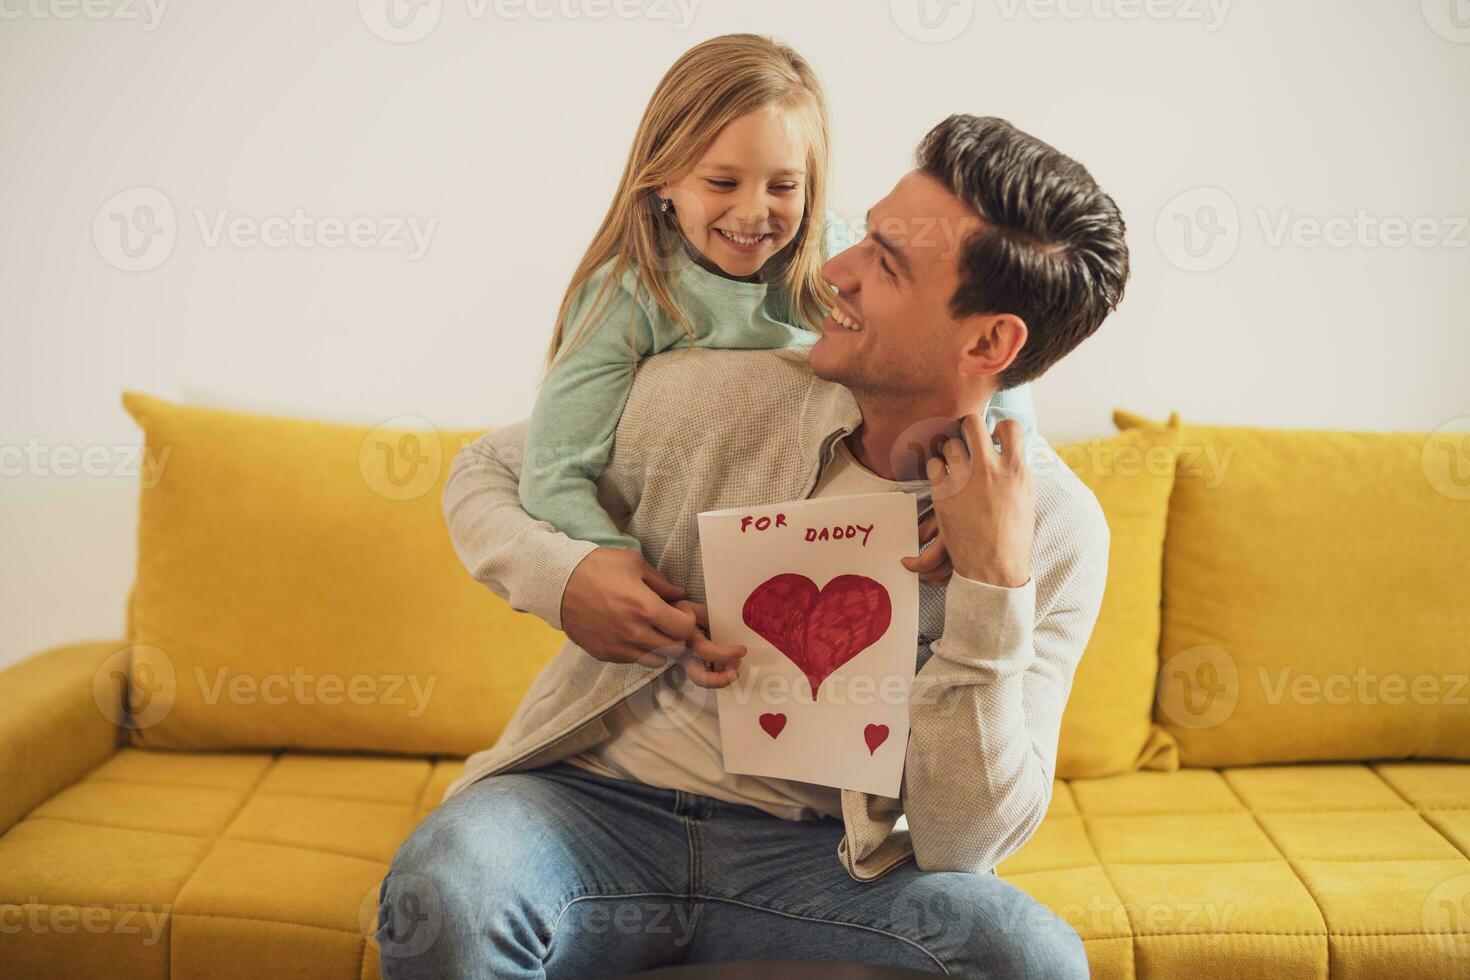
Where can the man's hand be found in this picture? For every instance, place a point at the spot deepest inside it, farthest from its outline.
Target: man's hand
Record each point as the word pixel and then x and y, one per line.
pixel 707 663
pixel 986 503
pixel 933 565
pixel 618 608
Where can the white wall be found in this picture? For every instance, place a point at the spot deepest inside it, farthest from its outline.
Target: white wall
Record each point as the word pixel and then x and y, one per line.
pixel 507 130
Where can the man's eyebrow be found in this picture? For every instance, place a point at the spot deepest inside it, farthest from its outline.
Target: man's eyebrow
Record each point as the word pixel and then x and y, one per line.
pixel 889 247
pixel 730 168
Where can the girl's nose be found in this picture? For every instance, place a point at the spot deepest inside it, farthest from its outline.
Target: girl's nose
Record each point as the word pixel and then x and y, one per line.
pixel 753 211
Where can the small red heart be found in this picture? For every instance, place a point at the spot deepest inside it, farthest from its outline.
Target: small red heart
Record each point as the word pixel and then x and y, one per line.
pixel 818 630
pixel 773 723
pixel 875 735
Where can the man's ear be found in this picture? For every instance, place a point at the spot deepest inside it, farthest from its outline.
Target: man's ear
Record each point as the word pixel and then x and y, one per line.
pixel 995 339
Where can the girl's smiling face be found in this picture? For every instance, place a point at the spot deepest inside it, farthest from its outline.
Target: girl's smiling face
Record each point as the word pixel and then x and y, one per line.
pixel 744 200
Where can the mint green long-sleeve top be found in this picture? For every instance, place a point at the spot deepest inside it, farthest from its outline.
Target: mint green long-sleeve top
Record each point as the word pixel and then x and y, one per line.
pixel 581 400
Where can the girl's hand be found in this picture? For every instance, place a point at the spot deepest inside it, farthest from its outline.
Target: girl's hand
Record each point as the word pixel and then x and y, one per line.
pixel 933 565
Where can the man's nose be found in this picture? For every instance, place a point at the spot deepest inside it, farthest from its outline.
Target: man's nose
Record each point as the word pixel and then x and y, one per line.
pixel 838 271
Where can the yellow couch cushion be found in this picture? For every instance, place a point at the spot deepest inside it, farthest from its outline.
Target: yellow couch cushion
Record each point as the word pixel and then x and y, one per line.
pixel 1316 600
pixel 296 587
pixel 209 865
pixel 1340 870
pixel 1108 724
pixel 243 865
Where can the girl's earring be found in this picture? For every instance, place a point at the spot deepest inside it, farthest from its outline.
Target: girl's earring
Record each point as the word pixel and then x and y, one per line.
pixel 665 205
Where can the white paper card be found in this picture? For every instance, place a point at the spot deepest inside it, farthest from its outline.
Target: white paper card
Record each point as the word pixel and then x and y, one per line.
pixel 815 592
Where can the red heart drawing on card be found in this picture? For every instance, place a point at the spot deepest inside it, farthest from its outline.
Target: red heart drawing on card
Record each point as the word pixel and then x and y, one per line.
pixel 875 735
pixel 819 630
pixel 773 723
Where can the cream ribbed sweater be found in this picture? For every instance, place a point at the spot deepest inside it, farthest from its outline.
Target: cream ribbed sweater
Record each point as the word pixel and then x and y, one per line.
pixel 705 430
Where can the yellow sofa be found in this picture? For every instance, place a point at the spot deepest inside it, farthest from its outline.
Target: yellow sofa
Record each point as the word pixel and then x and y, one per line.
pixel 1263 765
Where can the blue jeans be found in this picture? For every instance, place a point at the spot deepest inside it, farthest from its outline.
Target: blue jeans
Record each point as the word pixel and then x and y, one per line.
pixel 559 872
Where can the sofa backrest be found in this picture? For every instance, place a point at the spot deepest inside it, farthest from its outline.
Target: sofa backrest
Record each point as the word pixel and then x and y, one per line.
pixel 296 588
pixel 1316 600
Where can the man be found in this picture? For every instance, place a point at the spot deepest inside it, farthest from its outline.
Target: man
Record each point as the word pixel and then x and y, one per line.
pixel 600 835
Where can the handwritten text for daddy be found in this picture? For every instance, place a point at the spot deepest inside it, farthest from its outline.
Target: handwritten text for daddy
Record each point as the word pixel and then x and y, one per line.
pixel 839 532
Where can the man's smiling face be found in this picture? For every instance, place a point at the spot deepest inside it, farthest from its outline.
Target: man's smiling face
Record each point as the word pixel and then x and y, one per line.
pixel 891 332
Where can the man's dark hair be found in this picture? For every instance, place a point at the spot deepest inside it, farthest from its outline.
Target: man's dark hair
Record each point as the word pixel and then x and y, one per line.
pixel 1051 251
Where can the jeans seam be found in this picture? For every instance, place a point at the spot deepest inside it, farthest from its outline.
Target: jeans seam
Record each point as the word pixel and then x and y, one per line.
pixel 691 894
pixel 556 923
pixel 693 856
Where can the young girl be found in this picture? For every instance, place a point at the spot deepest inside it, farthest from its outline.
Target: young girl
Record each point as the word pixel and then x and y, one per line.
pixel 708 243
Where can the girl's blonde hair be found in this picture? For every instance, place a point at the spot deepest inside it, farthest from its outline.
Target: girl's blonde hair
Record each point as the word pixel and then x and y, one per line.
pixel 711 85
